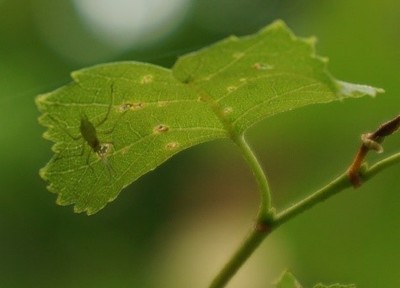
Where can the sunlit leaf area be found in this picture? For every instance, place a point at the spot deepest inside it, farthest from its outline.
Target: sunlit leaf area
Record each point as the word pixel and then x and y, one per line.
pixel 177 225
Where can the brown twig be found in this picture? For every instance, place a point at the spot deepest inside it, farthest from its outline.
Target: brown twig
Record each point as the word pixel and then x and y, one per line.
pixel 371 141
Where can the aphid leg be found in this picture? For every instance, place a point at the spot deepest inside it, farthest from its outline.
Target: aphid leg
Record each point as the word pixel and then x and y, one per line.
pixel 103 149
pixel 110 130
pixel 88 159
pixel 109 167
pixel 109 108
pixel 83 149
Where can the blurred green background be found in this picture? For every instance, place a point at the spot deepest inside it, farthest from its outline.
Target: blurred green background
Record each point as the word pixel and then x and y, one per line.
pixel 176 226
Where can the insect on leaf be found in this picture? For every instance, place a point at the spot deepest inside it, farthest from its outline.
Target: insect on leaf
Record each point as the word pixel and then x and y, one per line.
pixel 143 114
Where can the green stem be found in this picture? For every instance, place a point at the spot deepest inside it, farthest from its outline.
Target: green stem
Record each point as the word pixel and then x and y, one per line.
pixel 381 165
pixel 264 226
pixel 265 211
pixel 339 184
pixel 263 223
pixel 253 240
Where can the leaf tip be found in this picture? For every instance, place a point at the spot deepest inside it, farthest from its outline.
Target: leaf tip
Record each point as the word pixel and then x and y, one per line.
pixel 39 98
pixel 43 172
pixel 358 90
pixel 90 212
pixel 312 41
pixel 278 24
pixel 287 280
pixel 78 210
pixel 40 101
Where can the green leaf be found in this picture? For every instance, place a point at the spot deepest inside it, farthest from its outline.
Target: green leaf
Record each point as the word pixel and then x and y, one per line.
pixel 287 280
pixel 257 76
pixel 147 116
pixel 134 116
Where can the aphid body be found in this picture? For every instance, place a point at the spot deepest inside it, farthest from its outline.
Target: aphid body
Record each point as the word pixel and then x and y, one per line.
pixel 88 132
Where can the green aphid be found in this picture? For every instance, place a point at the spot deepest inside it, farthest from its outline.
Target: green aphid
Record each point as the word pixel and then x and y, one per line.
pixel 89 134
pixel 88 131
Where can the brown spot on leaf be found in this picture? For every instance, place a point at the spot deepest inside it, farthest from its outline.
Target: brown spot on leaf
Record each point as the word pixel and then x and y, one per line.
pixel 161 128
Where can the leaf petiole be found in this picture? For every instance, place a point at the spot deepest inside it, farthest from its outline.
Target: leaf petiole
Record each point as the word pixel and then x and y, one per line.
pixel 266 212
pixel 263 223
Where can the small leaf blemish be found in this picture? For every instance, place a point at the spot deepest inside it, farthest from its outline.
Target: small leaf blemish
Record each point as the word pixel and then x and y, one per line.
pixel 125 107
pixel 262 66
pixel 172 146
pixel 227 110
pixel 161 128
pixel 231 88
pixel 146 79
pixel 137 106
pixel 130 106
pixel 201 99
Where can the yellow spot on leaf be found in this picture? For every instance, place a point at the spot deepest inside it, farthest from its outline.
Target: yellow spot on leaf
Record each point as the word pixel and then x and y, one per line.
pixel 231 88
pixel 172 146
pixel 146 79
pixel 227 110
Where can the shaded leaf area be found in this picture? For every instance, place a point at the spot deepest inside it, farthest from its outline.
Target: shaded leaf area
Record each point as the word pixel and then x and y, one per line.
pixel 116 122
pixel 288 280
